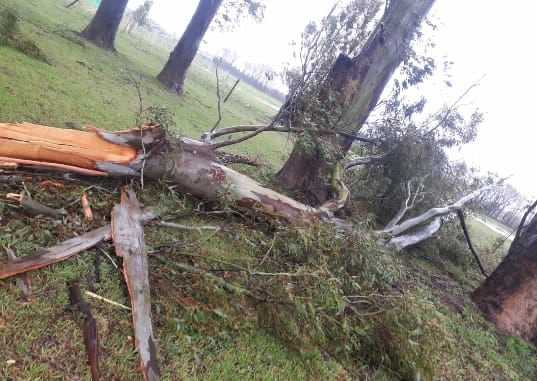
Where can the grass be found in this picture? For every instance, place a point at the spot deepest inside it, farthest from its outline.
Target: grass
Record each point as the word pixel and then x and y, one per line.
pixel 414 312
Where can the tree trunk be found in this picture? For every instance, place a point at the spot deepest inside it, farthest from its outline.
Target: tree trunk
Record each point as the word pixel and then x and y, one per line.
pixel 103 27
pixel 174 72
pixel 190 164
pixel 508 297
pixel 358 83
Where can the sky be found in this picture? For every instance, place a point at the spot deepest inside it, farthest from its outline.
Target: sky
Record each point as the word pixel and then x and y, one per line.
pixel 483 38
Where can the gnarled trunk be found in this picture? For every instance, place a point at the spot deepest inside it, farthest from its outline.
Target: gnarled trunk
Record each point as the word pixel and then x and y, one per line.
pixel 358 83
pixel 508 297
pixel 103 27
pixel 173 73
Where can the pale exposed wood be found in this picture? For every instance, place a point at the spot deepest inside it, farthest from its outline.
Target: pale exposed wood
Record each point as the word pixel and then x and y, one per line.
pixel 419 235
pixel 434 212
pixel 62 146
pixel 128 237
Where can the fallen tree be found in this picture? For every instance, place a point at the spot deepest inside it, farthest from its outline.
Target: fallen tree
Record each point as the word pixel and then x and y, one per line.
pixel 150 152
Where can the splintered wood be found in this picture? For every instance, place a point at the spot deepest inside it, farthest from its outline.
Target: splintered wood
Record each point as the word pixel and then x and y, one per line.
pixel 128 237
pixel 34 144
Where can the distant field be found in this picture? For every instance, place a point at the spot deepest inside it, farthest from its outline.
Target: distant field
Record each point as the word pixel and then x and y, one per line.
pixel 85 85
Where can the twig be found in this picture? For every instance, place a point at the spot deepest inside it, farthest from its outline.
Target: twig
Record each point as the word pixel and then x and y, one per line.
pixel 454 106
pixel 187 227
pixel 231 91
pixel 297 130
pixel 72 3
pixel 139 122
pixel 460 213
pixel 102 298
pixel 219 100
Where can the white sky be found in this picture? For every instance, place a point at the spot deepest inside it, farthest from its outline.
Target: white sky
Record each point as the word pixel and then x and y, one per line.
pixel 490 38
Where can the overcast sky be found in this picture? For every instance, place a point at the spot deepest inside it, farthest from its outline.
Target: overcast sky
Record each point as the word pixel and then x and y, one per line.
pixel 482 37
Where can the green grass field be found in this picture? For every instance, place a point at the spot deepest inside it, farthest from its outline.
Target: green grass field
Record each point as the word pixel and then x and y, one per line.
pixel 204 332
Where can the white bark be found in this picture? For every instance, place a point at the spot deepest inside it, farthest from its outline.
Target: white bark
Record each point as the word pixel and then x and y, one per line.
pixel 402 241
pixel 433 212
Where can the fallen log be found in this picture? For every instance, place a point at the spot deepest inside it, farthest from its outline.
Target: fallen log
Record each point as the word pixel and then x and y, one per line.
pixel 150 153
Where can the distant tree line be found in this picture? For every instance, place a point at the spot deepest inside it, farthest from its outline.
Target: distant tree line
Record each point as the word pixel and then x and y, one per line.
pixel 257 76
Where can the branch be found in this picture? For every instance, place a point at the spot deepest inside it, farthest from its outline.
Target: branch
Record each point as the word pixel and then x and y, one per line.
pixel 365 160
pixel 402 241
pixel 453 106
pixel 434 212
pixel 406 206
pixel 231 91
pixel 208 136
pixel 470 246
pixel 218 99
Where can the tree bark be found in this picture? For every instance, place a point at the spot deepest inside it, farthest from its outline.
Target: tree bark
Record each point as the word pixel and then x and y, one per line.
pixel 358 84
pixel 103 27
pixel 173 73
pixel 508 297
pixel 151 153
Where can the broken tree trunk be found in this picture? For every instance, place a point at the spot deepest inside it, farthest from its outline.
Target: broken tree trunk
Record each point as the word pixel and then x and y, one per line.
pixel 508 297
pixel 358 84
pixel 153 154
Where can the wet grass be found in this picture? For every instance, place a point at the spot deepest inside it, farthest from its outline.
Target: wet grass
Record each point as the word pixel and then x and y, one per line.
pixel 203 332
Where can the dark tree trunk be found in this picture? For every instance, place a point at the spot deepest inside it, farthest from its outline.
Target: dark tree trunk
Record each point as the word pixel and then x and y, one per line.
pixel 358 89
pixel 103 27
pixel 509 296
pixel 174 72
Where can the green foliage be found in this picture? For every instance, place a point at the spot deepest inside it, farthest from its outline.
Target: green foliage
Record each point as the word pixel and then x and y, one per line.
pixel 338 296
pixel 9 36
pixel 157 115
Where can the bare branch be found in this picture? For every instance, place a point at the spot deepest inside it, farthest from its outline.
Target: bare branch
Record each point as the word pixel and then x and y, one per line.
pixel 218 99
pixel 231 91
pixel 434 212
pixel 208 136
pixel 402 241
pixel 470 246
pixel 366 160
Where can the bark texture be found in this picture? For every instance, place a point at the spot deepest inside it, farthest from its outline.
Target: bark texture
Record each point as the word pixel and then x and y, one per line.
pixel 508 297
pixel 190 164
pixel 358 84
pixel 174 72
pixel 103 27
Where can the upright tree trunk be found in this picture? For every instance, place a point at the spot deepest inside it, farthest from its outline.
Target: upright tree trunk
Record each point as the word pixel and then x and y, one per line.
pixel 508 297
pixel 358 83
pixel 174 72
pixel 103 27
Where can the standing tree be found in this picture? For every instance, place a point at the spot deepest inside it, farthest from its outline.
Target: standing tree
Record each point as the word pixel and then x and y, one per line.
pixel 349 94
pixel 509 296
pixel 173 73
pixel 139 16
pixel 103 27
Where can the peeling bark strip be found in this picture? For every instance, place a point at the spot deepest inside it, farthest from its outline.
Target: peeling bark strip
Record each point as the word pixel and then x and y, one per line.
pixel 64 250
pixel 128 237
